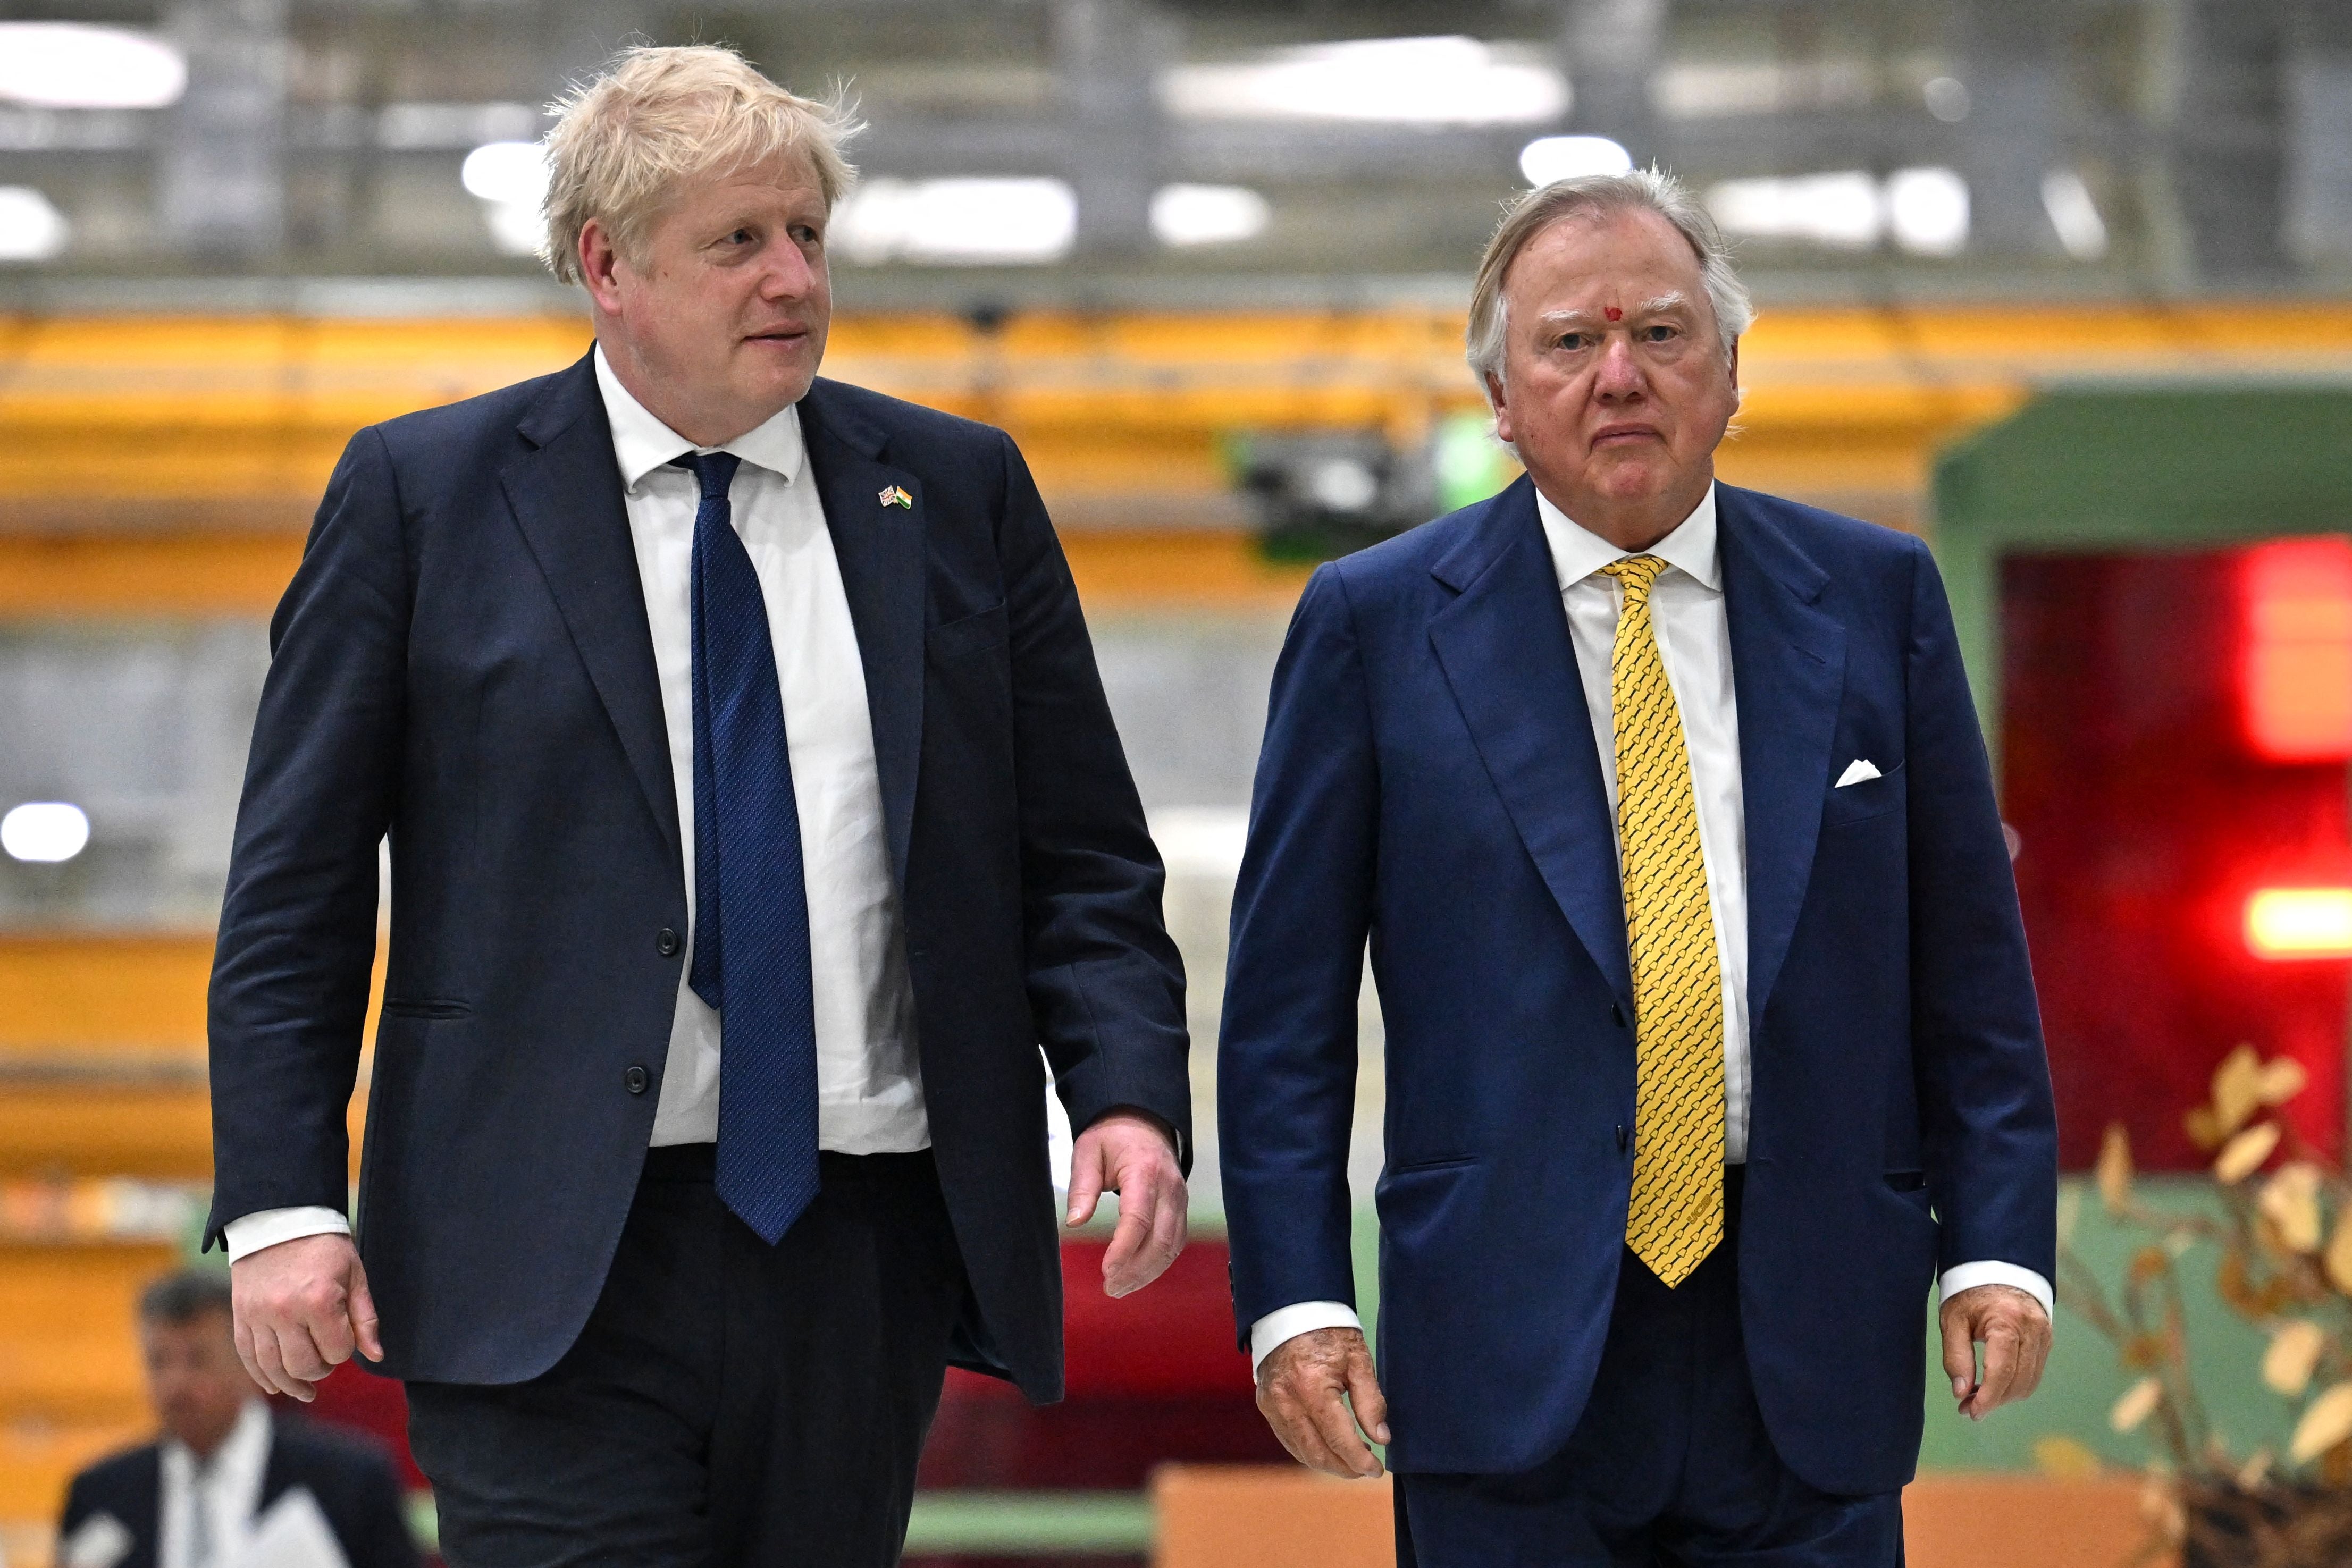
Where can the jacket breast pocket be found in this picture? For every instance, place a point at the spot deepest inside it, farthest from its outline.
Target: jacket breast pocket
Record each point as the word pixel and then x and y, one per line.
pixel 968 636
pixel 1861 802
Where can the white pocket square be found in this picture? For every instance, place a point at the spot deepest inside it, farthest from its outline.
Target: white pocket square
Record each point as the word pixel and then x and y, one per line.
pixel 1860 771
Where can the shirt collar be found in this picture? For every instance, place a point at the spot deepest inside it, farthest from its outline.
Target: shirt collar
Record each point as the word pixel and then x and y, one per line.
pixel 643 442
pixel 244 1451
pixel 1577 552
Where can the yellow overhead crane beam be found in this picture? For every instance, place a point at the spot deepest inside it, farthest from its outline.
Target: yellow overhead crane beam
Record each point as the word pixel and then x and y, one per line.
pixel 160 464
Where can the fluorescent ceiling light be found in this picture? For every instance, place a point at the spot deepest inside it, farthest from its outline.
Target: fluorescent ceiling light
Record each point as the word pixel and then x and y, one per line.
pixel 2074 215
pixel 974 221
pixel 1927 209
pixel 510 179
pixel 1403 81
pixel 1550 158
pixel 31 227
pixel 70 65
pixel 506 172
pixel 1842 210
pixel 44 831
pixel 1208 215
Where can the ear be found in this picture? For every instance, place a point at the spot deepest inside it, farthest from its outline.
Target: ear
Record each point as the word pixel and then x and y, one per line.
pixel 1734 369
pixel 600 266
pixel 1498 402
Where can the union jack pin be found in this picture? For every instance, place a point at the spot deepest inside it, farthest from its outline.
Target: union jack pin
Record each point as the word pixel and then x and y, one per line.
pixel 894 496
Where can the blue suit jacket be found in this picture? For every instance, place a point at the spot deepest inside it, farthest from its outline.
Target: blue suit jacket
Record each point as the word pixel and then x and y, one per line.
pixel 463 660
pixel 1430 782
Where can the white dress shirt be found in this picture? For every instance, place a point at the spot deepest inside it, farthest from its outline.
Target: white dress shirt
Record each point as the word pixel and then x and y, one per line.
pixel 206 1509
pixel 869 1081
pixel 1686 611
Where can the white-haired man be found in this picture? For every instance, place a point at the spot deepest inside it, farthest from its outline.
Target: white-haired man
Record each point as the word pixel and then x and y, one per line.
pixel 755 814
pixel 1711 1039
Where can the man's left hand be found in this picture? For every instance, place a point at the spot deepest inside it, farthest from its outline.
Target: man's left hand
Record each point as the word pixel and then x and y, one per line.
pixel 2015 1332
pixel 1132 1155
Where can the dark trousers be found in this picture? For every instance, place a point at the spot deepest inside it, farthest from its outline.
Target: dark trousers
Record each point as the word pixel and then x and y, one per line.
pixel 729 1402
pixel 1669 1465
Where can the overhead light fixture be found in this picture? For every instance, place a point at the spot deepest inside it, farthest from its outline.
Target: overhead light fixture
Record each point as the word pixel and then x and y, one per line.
pixel 511 180
pixel 31 227
pixel 1403 81
pixel 1947 98
pixel 72 64
pixel 1928 210
pixel 1550 158
pixel 2074 215
pixel 44 833
pixel 975 221
pixel 1208 215
pixel 2300 923
pixel 1925 211
pixel 1842 210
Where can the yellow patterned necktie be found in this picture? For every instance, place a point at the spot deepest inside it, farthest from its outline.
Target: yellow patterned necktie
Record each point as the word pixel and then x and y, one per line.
pixel 1676 1219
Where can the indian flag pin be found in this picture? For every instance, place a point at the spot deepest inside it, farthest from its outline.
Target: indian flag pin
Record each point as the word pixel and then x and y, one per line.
pixel 896 496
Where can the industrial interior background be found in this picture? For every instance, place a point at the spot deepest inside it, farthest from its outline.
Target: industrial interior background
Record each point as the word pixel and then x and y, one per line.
pixel 1207 260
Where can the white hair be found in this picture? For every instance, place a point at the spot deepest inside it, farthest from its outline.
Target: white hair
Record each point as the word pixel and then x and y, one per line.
pixel 1601 196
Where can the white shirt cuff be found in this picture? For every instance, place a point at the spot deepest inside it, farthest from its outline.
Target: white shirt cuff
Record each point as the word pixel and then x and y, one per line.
pixel 1968 1275
pixel 269 1227
pixel 1288 1323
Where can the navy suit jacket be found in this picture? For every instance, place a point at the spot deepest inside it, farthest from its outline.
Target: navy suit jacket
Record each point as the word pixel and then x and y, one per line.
pixel 1430 782
pixel 463 661
pixel 351 1479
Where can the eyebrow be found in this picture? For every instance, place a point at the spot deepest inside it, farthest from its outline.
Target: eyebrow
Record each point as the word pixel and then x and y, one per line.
pixel 1672 300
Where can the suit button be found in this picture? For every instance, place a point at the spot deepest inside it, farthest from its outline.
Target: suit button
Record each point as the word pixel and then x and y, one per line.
pixel 666 944
pixel 637 1078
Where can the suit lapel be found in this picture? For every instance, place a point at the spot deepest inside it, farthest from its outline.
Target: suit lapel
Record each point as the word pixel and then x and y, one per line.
pixel 1504 645
pixel 884 559
pixel 1788 668
pixel 566 495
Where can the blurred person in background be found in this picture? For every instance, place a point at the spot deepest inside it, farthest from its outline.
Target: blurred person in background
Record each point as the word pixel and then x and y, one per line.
pixel 190 1500
pixel 755 813
pixel 1711 1041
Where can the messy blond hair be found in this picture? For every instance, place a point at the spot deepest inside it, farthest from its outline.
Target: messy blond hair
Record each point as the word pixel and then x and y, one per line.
pixel 624 139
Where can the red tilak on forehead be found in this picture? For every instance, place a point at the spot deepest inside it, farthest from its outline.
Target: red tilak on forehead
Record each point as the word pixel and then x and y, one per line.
pixel 1614 313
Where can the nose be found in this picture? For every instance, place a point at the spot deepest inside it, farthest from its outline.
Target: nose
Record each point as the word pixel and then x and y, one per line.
pixel 1619 375
pixel 788 274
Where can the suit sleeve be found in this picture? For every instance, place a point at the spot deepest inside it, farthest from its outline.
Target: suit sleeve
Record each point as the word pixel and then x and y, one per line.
pixel 1302 910
pixel 1105 982
pixel 1990 1128
pixel 289 985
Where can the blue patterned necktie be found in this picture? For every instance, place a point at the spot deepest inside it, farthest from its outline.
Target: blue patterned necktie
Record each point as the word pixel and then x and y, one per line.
pixel 750 906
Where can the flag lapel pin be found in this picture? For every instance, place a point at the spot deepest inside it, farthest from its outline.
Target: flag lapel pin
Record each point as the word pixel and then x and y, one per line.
pixel 894 496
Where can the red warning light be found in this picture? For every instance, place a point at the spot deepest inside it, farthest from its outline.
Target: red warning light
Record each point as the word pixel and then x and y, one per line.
pixel 2297 671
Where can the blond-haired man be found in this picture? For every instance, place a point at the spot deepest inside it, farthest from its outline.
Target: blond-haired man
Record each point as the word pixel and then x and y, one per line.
pixel 1711 1039
pixel 755 815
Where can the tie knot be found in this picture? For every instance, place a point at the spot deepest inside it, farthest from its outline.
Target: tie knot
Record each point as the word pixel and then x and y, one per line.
pixel 716 470
pixel 1637 572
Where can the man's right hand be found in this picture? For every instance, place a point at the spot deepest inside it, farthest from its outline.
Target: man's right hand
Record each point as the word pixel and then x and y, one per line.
pixel 302 1307
pixel 1305 1387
